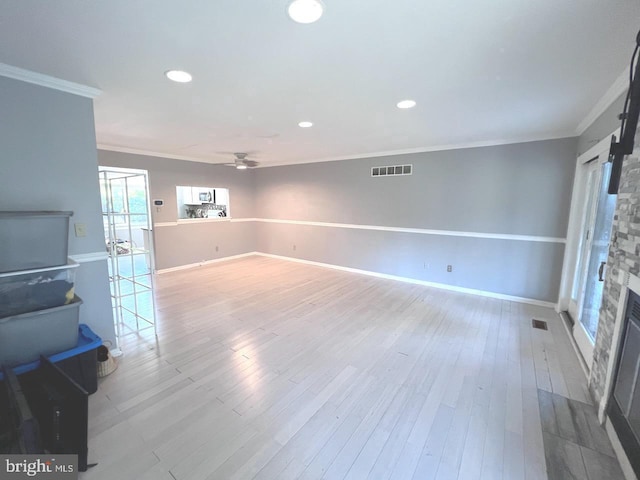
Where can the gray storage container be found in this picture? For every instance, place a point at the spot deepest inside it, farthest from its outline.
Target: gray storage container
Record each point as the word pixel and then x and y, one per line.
pixel 31 240
pixel 31 290
pixel 23 338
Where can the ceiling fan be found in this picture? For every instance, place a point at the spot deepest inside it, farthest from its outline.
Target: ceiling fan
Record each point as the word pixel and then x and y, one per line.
pixel 241 162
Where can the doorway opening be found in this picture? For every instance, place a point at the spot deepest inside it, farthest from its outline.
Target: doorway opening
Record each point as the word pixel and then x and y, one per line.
pixel 126 218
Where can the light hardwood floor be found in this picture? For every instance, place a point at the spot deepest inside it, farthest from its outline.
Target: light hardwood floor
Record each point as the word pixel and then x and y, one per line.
pixel 269 369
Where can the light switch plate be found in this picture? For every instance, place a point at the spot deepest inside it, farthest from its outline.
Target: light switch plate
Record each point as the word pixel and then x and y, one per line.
pixel 81 229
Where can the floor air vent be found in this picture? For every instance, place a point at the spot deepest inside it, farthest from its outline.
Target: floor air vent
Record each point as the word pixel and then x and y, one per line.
pixel 540 324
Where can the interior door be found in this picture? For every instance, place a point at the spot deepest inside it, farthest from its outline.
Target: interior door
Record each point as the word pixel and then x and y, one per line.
pixel 594 250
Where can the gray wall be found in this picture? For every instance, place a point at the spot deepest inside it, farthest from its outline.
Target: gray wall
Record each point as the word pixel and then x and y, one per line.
pixel 521 189
pixel 48 148
pixel 188 243
pixel 606 123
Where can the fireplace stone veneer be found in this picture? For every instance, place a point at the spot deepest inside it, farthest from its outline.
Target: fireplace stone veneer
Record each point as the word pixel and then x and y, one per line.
pixel 623 263
pixel 624 403
pixel 622 276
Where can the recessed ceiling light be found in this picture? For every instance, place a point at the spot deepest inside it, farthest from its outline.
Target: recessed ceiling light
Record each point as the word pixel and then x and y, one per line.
pixel 305 124
pixel 178 76
pixel 305 11
pixel 241 167
pixel 406 104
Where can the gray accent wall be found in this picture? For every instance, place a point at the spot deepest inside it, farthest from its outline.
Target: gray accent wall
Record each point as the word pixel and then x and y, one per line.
pixel 521 189
pixel 186 243
pixel 48 162
pixel 195 243
pixel 518 268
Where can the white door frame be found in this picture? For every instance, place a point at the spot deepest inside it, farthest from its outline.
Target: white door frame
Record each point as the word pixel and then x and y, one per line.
pixel 592 171
pixel 574 237
pixel 583 339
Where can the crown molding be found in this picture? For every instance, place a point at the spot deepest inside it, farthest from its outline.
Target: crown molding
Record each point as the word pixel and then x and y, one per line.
pixel 387 153
pixel 435 148
pixel 43 80
pixel 152 153
pixel 615 90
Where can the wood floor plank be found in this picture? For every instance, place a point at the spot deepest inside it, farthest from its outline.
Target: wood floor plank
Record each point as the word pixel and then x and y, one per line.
pixel 298 452
pixel 427 465
pixel 375 443
pixel 268 369
pixel 449 466
pixel 325 457
pixel 390 454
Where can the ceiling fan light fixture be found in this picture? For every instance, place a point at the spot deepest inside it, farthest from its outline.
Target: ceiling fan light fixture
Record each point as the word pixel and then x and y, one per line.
pixel 305 124
pixel 305 11
pixel 240 166
pixel 179 76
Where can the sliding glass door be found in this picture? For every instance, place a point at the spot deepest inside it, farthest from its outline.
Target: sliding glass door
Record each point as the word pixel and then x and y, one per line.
pixel 592 260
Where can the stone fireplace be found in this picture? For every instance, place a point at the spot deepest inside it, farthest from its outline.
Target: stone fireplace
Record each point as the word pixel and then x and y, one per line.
pixel 622 281
pixel 623 406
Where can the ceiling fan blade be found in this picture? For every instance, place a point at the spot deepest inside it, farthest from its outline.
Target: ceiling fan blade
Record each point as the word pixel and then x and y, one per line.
pixel 251 163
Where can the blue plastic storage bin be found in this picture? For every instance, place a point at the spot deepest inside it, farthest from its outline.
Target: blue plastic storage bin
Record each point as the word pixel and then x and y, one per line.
pixel 80 362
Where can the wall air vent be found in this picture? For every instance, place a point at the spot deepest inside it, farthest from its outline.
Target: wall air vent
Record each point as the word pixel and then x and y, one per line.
pixel 393 170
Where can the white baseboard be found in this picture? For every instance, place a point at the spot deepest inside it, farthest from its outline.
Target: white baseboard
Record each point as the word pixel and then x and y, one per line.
pixel 207 262
pixel 442 286
pixel 625 465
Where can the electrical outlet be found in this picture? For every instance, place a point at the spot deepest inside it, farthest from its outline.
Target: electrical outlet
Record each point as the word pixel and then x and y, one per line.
pixel 449 268
pixel 81 229
pixel 217 248
pixel 425 265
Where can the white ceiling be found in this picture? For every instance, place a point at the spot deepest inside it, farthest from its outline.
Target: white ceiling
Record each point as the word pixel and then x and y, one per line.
pixel 481 71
